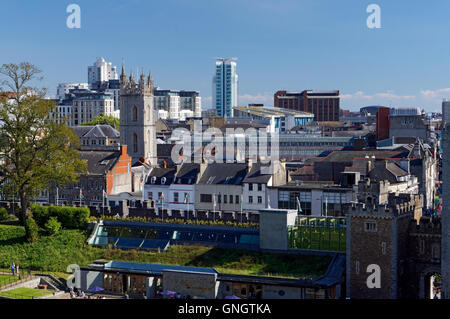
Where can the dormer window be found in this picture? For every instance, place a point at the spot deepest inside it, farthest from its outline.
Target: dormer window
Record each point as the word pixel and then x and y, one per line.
pixel 163 181
pixel 153 180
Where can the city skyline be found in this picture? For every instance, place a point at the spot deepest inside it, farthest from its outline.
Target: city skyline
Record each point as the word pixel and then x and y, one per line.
pixel 329 48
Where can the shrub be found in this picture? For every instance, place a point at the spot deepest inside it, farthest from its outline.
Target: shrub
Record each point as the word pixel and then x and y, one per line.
pixel 69 217
pixel 40 214
pixel 3 214
pixel 52 226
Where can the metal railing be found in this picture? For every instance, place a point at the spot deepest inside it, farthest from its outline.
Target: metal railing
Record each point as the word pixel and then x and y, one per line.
pixel 11 280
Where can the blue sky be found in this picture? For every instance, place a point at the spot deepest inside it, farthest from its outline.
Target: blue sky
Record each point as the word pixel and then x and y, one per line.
pixel 284 44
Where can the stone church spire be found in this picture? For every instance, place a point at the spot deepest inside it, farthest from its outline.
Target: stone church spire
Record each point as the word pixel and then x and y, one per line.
pixel 123 76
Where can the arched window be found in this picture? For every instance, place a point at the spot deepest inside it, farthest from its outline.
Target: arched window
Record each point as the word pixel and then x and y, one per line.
pixel 135 113
pixel 148 113
pixel 135 143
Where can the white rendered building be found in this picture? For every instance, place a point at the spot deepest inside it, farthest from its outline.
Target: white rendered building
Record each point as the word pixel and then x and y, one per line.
pixel 101 71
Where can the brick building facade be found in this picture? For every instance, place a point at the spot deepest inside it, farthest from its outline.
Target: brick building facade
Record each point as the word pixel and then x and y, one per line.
pixel 325 105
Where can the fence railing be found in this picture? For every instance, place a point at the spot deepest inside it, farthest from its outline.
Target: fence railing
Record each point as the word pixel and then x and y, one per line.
pixel 10 280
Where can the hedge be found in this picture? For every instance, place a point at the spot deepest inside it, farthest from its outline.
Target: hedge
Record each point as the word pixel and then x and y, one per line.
pixel 69 217
pixel 3 214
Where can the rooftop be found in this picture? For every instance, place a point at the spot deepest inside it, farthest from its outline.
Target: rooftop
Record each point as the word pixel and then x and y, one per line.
pixel 271 111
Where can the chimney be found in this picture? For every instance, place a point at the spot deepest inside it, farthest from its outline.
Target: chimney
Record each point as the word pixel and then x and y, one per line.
pixel 249 164
pixel 123 150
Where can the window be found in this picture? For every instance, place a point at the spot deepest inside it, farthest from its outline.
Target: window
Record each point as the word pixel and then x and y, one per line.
pixel 250 187
pixel 219 198
pixel 259 187
pixel 205 198
pixel 422 246
pixel 135 143
pixel 259 200
pixel 237 199
pixel 250 199
pixel 370 226
pixel 135 113
pixel 231 199
pixel 225 197
pixel 435 251
pixel 383 248
pixel 175 197
pixel 150 196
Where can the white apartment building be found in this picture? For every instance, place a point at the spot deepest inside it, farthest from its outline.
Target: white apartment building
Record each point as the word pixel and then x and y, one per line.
pixel 101 71
pixel 179 105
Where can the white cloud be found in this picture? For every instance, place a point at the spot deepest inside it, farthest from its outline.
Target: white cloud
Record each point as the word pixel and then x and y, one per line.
pixel 385 95
pixel 432 94
pixel 258 98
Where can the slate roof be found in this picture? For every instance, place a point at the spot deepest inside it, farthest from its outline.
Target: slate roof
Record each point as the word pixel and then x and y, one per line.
pixel 305 170
pixel 255 175
pixel 187 174
pixel 160 173
pixel 348 156
pixel 100 130
pixel 224 173
pixel 390 172
pixel 99 162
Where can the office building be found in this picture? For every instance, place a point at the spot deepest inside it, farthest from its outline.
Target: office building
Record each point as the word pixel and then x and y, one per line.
pixel 325 105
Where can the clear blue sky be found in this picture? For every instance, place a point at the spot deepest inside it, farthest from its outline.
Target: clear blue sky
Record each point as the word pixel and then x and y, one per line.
pixel 293 45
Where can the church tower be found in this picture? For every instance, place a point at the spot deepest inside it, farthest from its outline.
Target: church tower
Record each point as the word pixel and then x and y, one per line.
pixel 137 117
pixel 445 259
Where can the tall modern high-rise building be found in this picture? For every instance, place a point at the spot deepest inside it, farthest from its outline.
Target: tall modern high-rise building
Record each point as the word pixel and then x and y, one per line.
pixel 225 86
pixel 101 71
pixel 445 111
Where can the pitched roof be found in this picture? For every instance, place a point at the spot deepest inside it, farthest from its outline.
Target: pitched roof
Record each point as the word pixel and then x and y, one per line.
pixel 348 156
pixel 224 173
pixel 187 174
pixel 157 175
pixel 255 175
pixel 100 130
pixel 99 162
pixel 387 171
pixel 305 170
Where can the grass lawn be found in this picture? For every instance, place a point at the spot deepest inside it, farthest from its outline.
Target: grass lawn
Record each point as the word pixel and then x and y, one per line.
pixel 25 293
pixel 53 255
pixel 6 279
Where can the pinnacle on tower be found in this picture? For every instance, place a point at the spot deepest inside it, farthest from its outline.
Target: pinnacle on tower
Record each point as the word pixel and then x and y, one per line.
pixel 123 76
pixel 150 79
pixel 142 79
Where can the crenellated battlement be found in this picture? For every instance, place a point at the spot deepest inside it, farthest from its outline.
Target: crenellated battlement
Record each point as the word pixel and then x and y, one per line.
pixel 397 206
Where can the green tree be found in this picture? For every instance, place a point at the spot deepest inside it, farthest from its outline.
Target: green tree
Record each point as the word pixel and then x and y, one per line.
pixel 52 226
pixel 104 119
pixel 35 151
